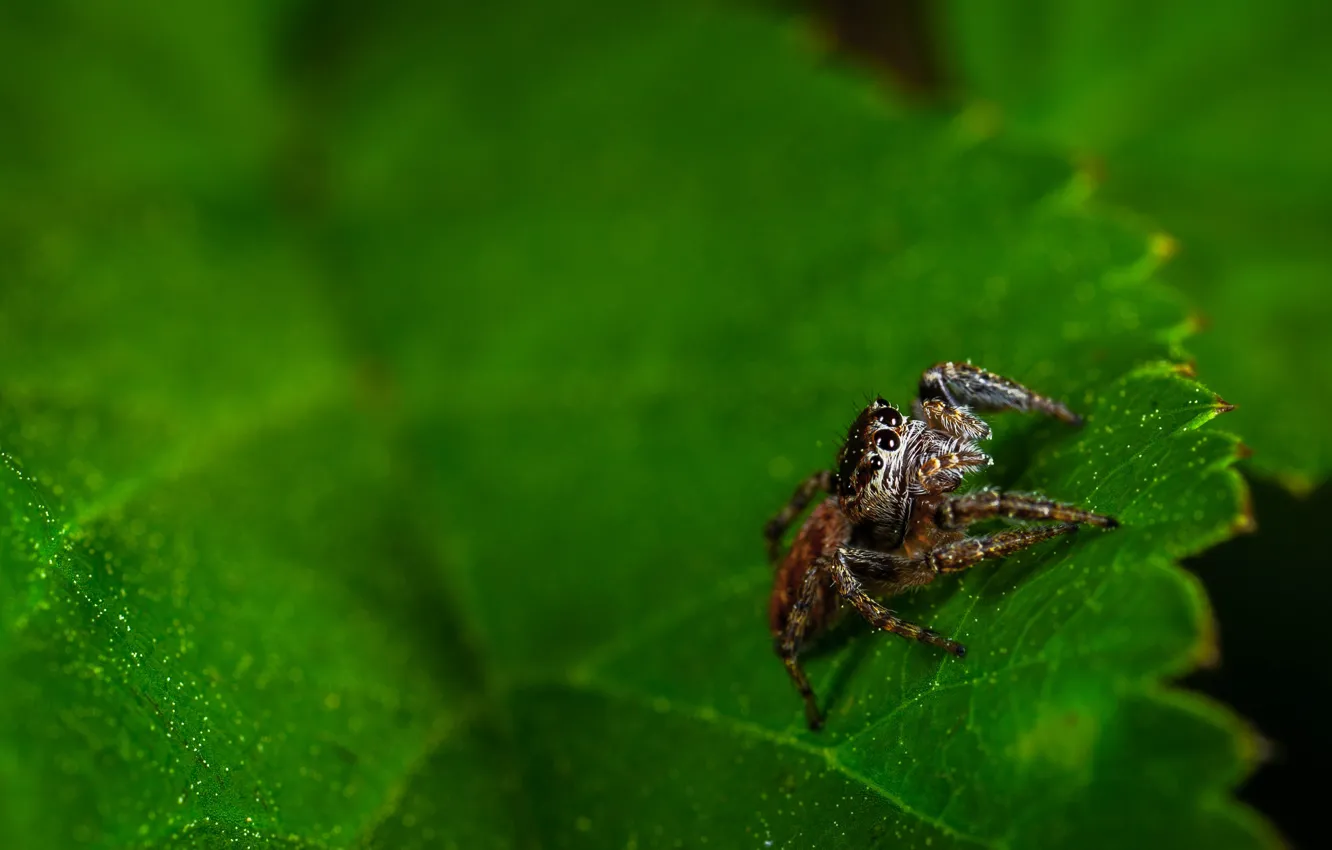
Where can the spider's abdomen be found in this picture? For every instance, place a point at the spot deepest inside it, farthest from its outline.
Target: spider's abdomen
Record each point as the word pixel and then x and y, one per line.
pixel 824 532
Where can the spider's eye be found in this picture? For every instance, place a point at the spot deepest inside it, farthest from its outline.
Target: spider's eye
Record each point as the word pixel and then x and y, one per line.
pixel 876 462
pixel 888 415
pixel 887 441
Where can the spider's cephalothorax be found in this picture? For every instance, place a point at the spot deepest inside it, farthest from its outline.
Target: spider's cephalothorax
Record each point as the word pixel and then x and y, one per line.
pixel 887 463
pixel 893 522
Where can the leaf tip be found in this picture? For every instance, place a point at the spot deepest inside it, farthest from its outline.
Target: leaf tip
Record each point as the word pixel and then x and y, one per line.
pixel 1186 369
pixel 1206 654
pixel 1298 484
pixel 981 119
pixel 1090 169
pixel 1244 522
pixel 1162 246
pixel 1257 748
pixel 1196 322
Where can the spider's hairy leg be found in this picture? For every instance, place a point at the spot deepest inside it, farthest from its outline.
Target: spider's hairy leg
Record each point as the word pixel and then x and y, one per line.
pixel 958 512
pixel 896 573
pixel 806 490
pixel 879 617
pixel 964 385
pixel 788 644
pixel 969 551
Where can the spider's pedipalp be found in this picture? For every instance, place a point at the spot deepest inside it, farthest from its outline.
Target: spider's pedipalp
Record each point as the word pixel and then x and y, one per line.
pixel 955 421
pixel 944 472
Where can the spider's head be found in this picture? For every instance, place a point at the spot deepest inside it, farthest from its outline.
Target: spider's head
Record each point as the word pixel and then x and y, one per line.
pixel 873 467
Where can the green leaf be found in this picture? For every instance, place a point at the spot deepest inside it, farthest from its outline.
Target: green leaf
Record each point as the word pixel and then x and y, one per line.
pixel 1215 125
pixel 387 434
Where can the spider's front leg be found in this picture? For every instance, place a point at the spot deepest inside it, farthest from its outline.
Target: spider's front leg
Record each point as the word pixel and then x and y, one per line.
pixel 776 527
pixel 947 388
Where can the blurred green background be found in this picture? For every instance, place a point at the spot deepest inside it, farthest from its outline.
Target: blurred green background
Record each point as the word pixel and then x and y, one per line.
pixel 391 399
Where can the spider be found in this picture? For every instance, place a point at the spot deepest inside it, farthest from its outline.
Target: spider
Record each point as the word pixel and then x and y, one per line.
pixel 892 522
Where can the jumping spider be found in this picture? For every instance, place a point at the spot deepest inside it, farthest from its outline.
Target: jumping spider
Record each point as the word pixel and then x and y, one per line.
pixel 892 522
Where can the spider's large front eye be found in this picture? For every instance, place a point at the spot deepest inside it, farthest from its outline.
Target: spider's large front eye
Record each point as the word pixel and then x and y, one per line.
pixel 888 415
pixel 887 441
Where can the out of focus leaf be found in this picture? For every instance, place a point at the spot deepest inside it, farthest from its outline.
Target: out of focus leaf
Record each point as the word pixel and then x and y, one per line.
pixel 1213 121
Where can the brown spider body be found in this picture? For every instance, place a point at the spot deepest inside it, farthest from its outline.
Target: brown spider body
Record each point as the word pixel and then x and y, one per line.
pixel 824 532
pixel 891 521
